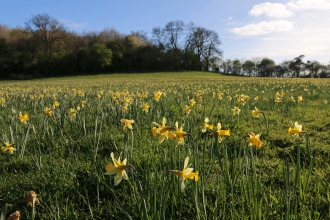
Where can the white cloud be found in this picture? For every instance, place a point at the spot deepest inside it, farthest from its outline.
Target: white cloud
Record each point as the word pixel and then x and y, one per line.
pixel 263 27
pixel 73 25
pixel 309 4
pixel 274 10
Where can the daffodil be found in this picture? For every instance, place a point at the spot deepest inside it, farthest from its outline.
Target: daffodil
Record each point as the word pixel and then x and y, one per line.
pixel 32 198
pixel 186 173
pixel 296 130
pixel 192 102
pixel 23 118
pixel 256 112
pixel 300 98
pixel 56 104
pixel 8 147
pixel 48 111
pixel 221 132
pixel 124 108
pixel 179 134
pixel 162 130
pixel 127 123
pixel 236 110
pixel 145 107
pixel 72 112
pixel 14 216
pixel 187 109
pixel 206 125
pixel 83 103
pixel 118 168
pixel 254 140
pixel 158 95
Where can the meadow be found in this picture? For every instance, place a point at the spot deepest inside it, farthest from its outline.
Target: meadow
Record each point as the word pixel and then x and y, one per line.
pixel 191 145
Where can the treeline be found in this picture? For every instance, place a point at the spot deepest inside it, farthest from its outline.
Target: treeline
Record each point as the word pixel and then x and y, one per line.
pixel 44 47
pixel 265 67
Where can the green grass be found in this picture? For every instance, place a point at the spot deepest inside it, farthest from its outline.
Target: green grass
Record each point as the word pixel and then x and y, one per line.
pixel 62 157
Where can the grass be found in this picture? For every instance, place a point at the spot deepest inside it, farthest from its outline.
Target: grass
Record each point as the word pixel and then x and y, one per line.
pixel 62 157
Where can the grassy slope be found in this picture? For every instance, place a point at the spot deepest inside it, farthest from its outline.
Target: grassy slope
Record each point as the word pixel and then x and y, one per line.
pixel 67 169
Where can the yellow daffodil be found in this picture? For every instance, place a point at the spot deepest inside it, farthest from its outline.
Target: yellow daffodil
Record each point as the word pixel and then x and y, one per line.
pixel 127 123
pixel 23 118
pixel 145 107
pixel 256 112
pixel 187 109
pixel 83 103
pixel 48 111
pixel 236 110
pixel 158 95
pixel 56 104
pixel 124 108
pixel 254 140
pixel 127 101
pixel 32 198
pixel 192 102
pixel 8 147
pixel 179 134
pixel 296 130
pixel 300 98
pixel 206 125
pixel 118 168
pixel 186 173
pixel 221 132
pixel 72 112
pixel 162 130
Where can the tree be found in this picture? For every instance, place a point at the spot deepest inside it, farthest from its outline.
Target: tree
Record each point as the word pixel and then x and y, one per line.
pixel 169 37
pixel 297 65
pixel 248 67
pixel 314 68
pixel 204 42
pixel 266 67
pixel 100 56
pixel 237 67
pixel 49 30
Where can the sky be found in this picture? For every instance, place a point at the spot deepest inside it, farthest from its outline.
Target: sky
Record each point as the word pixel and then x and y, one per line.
pixel 248 29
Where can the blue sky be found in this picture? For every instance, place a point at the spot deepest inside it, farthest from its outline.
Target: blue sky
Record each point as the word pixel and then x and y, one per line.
pixel 248 29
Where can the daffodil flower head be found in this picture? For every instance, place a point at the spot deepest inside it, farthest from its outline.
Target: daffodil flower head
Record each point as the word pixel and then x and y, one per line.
pixel 254 140
pixel 72 112
pixel 206 125
pixel 118 168
pixel 127 123
pixel 145 107
pixel 186 173
pixel 32 198
pixel 221 133
pixel 187 109
pixel 162 130
pixel 296 130
pixel 23 118
pixel 179 134
pixel 256 112
pixel 236 110
pixel 8 147
pixel 48 111
pixel 192 102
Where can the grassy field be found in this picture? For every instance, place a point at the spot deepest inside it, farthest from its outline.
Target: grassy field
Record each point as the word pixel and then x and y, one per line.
pixel 258 148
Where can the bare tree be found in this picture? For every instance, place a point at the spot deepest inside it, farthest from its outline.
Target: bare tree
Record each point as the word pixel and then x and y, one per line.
pixel 169 37
pixel 204 42
pixel 49 30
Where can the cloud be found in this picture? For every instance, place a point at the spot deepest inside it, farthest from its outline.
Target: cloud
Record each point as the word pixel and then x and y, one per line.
pixel 73 25
pixel 274 10
pixel 309 4
pixel 263 27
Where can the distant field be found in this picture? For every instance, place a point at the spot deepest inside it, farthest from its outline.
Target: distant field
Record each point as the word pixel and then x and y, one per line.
pixel 246 162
